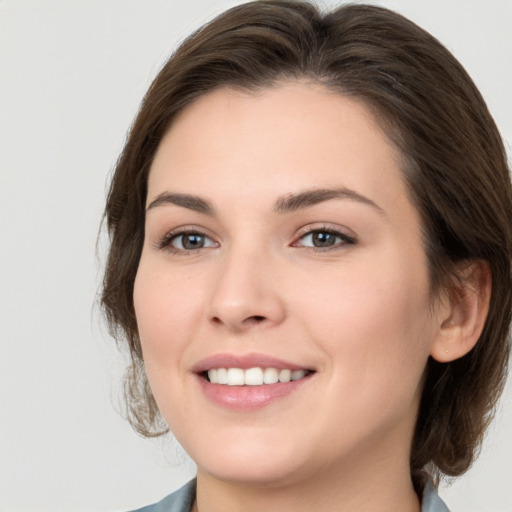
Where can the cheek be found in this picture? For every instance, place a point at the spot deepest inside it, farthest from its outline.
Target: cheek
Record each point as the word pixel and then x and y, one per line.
pixel 374 326
pixel 166 308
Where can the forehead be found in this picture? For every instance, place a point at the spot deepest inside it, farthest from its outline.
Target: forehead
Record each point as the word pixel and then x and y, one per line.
pixel 276 140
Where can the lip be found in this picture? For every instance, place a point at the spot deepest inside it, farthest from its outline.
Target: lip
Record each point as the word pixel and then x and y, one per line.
pixel 245 361
pixel 247 398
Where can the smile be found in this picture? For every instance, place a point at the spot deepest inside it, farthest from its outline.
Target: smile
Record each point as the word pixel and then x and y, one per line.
pixel 248 382
pixel 257 376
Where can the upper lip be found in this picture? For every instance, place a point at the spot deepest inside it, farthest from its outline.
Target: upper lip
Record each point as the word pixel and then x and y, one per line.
pixel 245 361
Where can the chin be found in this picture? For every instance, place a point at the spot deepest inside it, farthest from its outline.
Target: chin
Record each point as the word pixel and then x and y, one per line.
pixel 260 464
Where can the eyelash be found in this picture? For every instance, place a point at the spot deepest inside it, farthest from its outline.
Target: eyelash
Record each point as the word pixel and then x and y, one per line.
pixel 345 239
pixel 166 241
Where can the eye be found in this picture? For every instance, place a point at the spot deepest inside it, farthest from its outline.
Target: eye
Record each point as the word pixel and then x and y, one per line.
pixel 324 239
pixel 186 241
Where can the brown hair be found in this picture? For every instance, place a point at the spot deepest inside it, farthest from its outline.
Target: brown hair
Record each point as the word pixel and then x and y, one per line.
pixel 454 164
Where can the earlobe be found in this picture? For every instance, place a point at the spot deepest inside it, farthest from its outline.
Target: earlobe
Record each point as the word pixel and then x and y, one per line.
pixel 463 313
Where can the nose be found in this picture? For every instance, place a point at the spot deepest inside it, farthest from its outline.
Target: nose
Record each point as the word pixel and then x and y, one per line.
pixel 246 293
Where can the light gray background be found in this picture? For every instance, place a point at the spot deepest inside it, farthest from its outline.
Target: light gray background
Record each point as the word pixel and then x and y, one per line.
pixel 72 74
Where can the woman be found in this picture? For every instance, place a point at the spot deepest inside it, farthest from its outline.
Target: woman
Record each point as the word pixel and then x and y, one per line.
pixel 310 261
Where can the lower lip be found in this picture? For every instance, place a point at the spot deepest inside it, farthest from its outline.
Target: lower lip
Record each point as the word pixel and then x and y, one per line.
pixel 248 398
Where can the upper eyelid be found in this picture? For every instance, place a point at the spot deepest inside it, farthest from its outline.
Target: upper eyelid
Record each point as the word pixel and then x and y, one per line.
pixel 347 236
pixel 165 240
pixel 186 229
pixel 344 239
pixel 326 226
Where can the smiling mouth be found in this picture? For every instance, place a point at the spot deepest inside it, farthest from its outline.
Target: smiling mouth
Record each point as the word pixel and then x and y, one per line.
pixel 256 376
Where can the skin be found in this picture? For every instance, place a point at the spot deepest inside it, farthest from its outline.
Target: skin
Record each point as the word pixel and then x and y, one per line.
pixel 359 314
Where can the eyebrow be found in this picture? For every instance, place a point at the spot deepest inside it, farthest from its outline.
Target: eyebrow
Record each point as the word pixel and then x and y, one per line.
pixel 194 203
pixel 286 204
pixel 308 198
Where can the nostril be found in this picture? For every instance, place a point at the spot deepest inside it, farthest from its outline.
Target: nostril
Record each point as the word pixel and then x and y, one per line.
pixel 256 319
pixel 236 321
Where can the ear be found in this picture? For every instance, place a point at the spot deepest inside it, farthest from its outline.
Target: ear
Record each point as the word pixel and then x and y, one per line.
pixel 462 312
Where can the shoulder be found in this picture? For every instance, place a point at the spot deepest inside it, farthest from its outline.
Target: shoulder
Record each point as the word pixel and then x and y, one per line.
pixel 179 501
pixel 432 502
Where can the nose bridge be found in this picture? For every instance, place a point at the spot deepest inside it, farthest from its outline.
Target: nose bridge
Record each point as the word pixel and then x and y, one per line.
pixel 244 292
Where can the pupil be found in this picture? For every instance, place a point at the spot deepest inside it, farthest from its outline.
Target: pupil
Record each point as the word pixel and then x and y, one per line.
pixel 193 241
pixel 323 239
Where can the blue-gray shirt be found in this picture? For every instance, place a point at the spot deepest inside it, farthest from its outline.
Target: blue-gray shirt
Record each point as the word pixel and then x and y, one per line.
pixel 183 499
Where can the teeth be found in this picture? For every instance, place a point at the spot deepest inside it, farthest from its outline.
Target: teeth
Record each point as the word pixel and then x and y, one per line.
pixel 270 376
pixel 222 376
pixel 298 374
pixel 236 377
pixel 213 376
pixel 253 376
pixel 285 375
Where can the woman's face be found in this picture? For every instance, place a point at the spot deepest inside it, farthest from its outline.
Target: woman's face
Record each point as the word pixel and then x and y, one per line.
pixel 280 238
